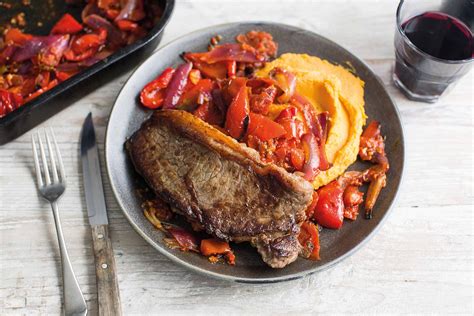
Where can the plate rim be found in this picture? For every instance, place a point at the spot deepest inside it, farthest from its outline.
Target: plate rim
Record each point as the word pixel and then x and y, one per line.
pixel 248 280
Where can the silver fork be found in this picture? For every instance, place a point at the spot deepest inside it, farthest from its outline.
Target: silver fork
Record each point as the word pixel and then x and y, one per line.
pixel 74 303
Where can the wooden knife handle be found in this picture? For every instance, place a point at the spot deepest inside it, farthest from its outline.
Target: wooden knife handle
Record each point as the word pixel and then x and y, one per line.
pixel 107 283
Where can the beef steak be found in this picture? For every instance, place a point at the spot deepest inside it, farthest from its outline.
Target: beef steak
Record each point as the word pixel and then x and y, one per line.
pixel 221 184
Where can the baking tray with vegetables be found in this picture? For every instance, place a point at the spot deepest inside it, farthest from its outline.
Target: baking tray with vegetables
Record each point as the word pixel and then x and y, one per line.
pixel 50 51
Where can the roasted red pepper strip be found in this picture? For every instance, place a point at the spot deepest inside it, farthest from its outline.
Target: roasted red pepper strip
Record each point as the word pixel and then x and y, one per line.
pixel 297 158
pixel 67 25
pixel 237 114
pixel 211 247
pixel 86 46
pixel 16 36
pixel 213 71
pixel 329 211
pixel 51 85
pixel 289 112
pixel 126 25
pixel 9 101
pixel 64 75
pixel 190 98
pixel 231 68
pixel 264 128
pixel 309 240
pixel 112 13
pixel 209 113
pixel 152 95
pixel 88 41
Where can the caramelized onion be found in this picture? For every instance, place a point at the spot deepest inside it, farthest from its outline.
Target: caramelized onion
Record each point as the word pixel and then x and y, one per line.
pixel 132 10
pixel 230 52
pixel 176 86
pixel 96 22
pixel 286 81
pixel 311 164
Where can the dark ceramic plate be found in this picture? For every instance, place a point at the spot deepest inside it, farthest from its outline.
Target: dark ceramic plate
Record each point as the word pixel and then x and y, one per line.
pixel 127 116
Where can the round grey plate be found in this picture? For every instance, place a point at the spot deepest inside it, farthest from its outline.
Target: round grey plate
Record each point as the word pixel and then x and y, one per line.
pixel 127 116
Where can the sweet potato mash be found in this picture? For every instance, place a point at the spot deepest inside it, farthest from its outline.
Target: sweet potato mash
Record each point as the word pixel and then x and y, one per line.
pixel 334 89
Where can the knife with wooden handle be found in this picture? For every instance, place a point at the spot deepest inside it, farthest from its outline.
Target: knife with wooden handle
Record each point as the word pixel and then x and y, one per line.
pixel 106 272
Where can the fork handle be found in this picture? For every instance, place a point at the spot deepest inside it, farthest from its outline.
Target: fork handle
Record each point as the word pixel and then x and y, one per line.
pixel 74 303
pixel 107 283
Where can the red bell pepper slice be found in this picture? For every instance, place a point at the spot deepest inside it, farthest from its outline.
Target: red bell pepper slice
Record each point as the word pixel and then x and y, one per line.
pixel 71 56
pixel 309 240
pixel 126 25
pixel 231 68
pixel 297 158
pixel 43 79
pixel 237 113
pixel 16 36
pixel 112 13
pixel 64 75
pixel 209 113
pixel 329 211
pixel 190 97
pixel 294 127
pixel 86 46
pixel 152 95
pixel 88 41
pixel 106 4
pixel 264 128
pixel 9 102
pixel 289 112
pixel 211 247
pixel 67 25
pixel 213 71
pixel 38 92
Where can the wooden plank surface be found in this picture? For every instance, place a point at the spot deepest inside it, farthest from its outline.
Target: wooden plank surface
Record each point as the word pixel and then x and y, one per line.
pixel 421 261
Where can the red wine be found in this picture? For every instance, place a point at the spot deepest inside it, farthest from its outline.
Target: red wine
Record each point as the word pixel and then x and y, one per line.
pixel 440 35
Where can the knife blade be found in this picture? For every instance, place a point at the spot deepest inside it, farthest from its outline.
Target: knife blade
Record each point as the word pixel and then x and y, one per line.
pixel 107 283
pixel 95 200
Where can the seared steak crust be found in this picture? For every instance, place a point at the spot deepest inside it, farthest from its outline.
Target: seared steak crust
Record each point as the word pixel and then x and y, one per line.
pixel 221 184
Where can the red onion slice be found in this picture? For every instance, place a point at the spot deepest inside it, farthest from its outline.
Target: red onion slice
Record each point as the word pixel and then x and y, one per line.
pixel 176 86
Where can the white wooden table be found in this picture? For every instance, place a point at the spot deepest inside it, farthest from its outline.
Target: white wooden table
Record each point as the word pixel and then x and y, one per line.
pixel 421 261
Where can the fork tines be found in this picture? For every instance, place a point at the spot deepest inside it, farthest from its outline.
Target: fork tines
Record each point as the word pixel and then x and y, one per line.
pixel 43 170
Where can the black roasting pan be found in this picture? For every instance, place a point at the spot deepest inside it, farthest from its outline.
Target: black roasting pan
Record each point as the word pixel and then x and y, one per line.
pixel 40 19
